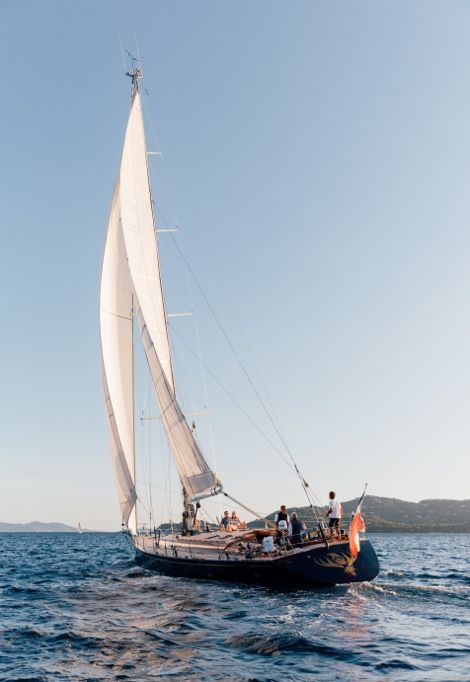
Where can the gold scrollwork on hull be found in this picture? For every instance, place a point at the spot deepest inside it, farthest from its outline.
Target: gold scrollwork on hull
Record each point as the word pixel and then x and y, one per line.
pixel 334 560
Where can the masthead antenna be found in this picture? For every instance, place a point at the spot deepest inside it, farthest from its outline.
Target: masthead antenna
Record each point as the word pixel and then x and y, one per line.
pixel 136 73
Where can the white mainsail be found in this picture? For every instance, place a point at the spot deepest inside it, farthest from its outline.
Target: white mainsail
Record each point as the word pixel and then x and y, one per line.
pixel 131 279
pixel 116 327
pixel 139 235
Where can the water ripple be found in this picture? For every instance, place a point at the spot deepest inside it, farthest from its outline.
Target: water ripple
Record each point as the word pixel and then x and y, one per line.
pixel 77 607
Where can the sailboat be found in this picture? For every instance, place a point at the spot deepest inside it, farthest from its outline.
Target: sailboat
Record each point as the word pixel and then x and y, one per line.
pixel 79 528
pixel 132 296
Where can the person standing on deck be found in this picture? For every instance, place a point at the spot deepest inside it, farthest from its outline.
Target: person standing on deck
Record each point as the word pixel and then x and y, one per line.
pixel 281 515
pixel 335 511
pixel 295 530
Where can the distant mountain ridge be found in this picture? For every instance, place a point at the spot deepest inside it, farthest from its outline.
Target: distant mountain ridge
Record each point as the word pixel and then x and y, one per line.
pixel 36 527
pixel 381 515
pixel 388 514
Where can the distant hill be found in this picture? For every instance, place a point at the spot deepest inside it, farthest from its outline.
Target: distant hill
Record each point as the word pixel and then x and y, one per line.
pixel 36 527
pixel 387 514
pixel 381 514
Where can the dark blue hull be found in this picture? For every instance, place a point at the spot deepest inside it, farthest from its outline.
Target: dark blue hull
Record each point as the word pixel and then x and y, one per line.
pixel 316 566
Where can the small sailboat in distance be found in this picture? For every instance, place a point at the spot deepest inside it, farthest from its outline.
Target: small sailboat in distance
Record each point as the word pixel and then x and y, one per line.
pixel 132 294
pixel 79 528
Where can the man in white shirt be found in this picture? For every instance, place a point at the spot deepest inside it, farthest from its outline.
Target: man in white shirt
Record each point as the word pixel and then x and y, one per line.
pixel 282 515
pixel 335 511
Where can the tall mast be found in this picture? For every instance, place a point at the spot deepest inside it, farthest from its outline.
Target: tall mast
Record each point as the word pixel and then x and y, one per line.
pixel 135 75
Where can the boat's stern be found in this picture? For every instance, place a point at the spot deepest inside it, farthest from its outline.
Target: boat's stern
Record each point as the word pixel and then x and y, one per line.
pixel 334 564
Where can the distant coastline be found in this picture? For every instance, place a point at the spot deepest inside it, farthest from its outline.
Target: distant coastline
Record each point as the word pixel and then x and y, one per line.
pixel 38 527
pixel 392 515
pixel 381 515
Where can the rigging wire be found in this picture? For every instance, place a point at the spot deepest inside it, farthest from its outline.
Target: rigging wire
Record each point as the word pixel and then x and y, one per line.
pixel 247 376
pixel 181 459
pixel 168 191
pixel 149 452
pixel 253 360
pixel 274 422
pixel 176 449
pixel 260 379
pixel 235 401
pixel 207 369
pixel 137 50
pixel 201 364
pixel 122 52
pixel 153 205
pixel 170 496
pixel 251 511
pixel 146 449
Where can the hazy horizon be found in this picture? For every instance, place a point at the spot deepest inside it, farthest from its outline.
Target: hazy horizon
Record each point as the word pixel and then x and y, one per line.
pixel 177 520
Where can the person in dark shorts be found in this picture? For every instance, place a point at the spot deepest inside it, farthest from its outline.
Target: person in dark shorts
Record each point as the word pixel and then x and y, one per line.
pixel 335 511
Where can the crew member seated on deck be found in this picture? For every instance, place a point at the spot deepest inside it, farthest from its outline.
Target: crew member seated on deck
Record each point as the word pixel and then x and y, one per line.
pixel 224 524
pixel 335 511
pixel 235 523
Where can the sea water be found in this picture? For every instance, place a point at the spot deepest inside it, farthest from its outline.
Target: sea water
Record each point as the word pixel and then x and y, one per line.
pixel 76 607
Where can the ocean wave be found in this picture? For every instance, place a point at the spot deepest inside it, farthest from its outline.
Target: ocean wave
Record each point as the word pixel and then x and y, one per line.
pixel 395 664
pixel 271 644
pixel 97 615
pixel 410 588
pixel 392 573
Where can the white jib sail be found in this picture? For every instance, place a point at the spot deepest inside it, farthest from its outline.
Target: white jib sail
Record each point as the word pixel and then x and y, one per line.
pixel 117 361
pixel 195 474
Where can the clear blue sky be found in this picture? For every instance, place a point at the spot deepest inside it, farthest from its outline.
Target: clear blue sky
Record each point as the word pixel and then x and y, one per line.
pixel 318 156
